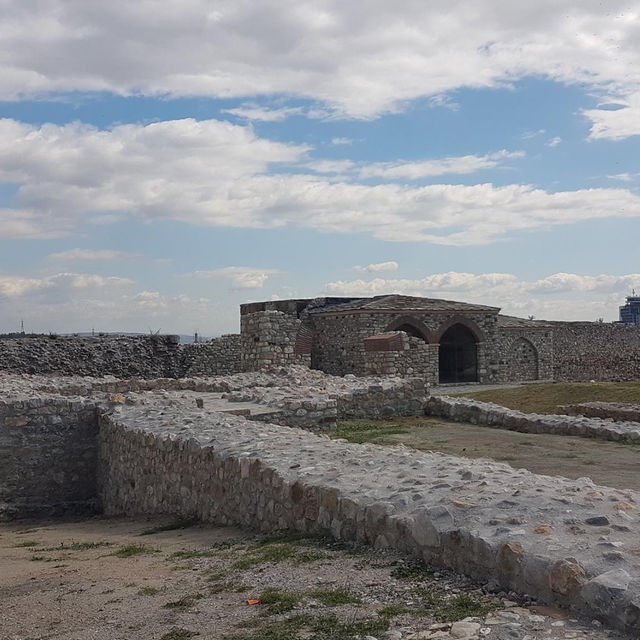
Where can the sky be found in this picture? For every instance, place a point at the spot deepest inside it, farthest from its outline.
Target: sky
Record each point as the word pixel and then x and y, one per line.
pixel 163 161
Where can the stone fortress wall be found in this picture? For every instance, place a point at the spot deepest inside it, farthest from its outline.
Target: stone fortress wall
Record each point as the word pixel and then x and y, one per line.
pixel 601 351
pixel 283 333
pixel 152 356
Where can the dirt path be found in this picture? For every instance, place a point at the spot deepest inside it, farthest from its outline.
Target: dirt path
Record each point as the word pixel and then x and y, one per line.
pixel 99 579
pixel 607 463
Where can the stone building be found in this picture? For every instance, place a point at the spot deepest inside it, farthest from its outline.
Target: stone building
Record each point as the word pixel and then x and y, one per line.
pixel 444 341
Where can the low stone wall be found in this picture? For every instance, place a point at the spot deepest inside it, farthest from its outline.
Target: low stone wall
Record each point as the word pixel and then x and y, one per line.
pixel 618 411
pixel 599 351
pixel 219 356
pixel 397 353
pixel 529 533
pixel 48 454
pixel 122 356
pixel 487 414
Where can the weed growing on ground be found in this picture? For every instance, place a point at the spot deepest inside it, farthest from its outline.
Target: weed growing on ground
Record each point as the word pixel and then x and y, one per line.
pixel 179 523
pixel 334 597
pixel 148 591
pixel 27 544
pixel 412 571
pixel 277 552
pixel 361 432
pixel 179 634
pixel 131 550
pixel 279 601
pixel 186 602
pixel 187 555
pixel 222 587
pixel 392 610
pixel 78 546
pixel 313 628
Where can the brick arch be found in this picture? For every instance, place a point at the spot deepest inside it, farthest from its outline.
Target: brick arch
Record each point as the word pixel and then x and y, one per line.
pixel 413 322
pixel 476 331
pixel 304 341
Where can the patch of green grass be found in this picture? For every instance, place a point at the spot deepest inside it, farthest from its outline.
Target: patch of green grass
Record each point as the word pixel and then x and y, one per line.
pixel 130 550
pixel 179 523
pixel 186 602
pixel 275 553
pixel 179 634
pixel 187 555
pixel 415 571
pixel 313 628
pixel 361 432
pixel 222 587
pixel 460 607
pixel 279 601
pixel 43 559
pixel 27 544
pixel 392 610
pixel 334 597
pixel 78 546
pixel 545 398
pixel 445 608
pixel 148 591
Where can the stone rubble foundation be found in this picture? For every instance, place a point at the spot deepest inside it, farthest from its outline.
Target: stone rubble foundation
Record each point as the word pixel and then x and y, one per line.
pixel 495 416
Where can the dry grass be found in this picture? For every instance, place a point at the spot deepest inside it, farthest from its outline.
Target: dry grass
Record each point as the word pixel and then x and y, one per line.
pixel 545 398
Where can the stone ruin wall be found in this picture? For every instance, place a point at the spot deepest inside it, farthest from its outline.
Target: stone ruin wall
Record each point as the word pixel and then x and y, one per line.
pixel 338 346
pixel 447 511
pixel 122 356
pixel 404 356
pixel 153 356
pixel 217 357
pixel 604 352
pixel 49 454
pixel 273 338
pixel 524 354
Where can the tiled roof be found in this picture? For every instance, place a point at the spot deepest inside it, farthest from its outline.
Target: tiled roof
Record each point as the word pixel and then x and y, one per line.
pixel 400 303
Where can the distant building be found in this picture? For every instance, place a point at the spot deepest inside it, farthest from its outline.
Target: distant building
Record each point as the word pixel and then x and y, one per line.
pixel 630 313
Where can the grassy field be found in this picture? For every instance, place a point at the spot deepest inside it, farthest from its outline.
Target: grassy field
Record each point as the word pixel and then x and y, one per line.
pixel 544 398
pixel 609 463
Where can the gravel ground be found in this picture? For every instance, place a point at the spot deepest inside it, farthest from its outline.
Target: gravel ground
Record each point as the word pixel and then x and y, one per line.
pixel 100 579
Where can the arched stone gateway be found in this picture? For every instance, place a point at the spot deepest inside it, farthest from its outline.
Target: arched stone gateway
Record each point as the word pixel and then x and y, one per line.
pixel 412 327
pixel 523 361
pixel 458 355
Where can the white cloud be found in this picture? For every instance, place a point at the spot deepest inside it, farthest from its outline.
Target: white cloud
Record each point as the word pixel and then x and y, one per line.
pixel 214 173
pixel 624 177
pixel 619 123
pixel 360 62
pixel 554 142
pixel 90 255
pixel 331 166
pixel 341 141
pixel 560 296
pixel 240 277
pixel 378 267
pixel 431 168
pixel 69 302
pixel 264 114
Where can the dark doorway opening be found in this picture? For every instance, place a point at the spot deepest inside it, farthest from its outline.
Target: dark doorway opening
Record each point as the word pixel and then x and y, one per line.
pixel 458 355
